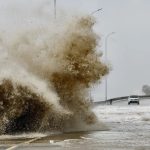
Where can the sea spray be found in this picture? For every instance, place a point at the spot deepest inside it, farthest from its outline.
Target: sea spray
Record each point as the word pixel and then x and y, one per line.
pixel 45 77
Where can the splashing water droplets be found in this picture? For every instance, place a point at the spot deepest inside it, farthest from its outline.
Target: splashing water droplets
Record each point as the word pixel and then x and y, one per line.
pixel 45 77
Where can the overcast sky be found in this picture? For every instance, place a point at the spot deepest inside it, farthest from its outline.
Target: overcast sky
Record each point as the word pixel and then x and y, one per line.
pixel 128 49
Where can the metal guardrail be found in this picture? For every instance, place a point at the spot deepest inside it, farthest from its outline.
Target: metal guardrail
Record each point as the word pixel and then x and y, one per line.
pixel 110 101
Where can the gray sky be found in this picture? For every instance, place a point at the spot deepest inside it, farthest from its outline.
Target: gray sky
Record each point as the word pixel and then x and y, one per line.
pixel 128 49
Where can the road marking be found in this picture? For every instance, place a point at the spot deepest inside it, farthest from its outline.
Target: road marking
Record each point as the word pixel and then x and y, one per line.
pixel 26 142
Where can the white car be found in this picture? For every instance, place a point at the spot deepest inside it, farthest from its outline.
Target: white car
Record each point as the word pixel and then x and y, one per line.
pixel 133 99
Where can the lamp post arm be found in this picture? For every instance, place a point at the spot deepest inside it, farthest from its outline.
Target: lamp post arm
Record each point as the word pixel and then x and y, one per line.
pixel 96 11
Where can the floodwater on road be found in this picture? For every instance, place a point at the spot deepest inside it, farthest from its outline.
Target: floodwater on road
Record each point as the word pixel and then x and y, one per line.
pixel 129 129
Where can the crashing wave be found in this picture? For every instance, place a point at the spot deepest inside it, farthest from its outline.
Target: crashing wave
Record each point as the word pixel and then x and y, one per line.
pixel 45 77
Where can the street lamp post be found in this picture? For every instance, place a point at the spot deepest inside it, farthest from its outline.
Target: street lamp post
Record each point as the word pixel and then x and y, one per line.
pixel 55 9
pixel 106 48
pixel 92 13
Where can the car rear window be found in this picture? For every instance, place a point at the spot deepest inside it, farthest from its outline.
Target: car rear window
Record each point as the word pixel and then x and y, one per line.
pixel 133 96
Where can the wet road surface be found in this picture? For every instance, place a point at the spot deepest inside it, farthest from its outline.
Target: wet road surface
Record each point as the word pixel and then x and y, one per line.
pixel 129 129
